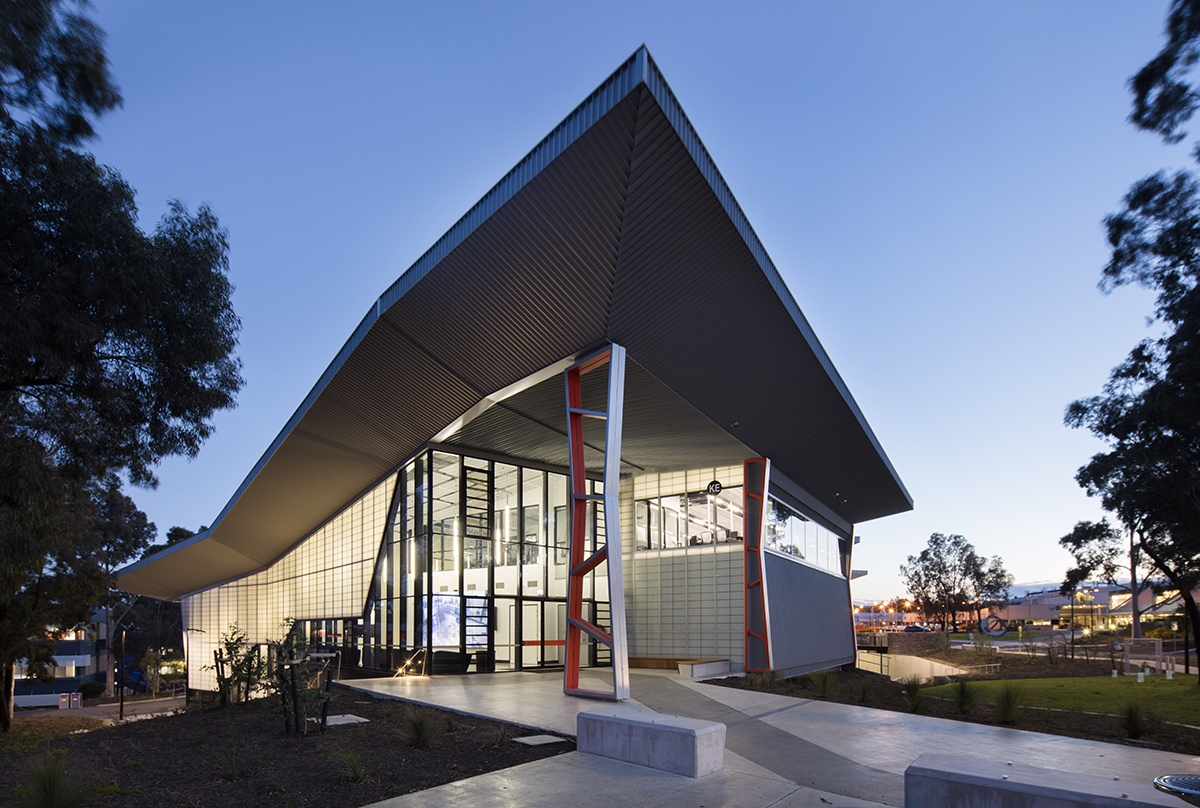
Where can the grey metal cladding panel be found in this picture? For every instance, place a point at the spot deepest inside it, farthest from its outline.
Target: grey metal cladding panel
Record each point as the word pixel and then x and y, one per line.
pixel 533 283
pixel 811 618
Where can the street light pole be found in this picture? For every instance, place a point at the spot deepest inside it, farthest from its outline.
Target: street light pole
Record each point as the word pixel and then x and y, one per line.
pixel 121 679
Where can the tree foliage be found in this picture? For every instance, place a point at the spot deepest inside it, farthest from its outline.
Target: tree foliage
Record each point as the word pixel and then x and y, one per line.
pixel 949 577
pixel 48 576
pixel 116 346
pixel 1148 414
pixel 53 72
pixel 1096 548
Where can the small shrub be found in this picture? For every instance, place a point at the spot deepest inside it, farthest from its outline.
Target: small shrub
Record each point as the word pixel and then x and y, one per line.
pixel 501 735
pixel 770 677
pixel 228 763
pixel 1137 721
pixel 1053 652
pixel 966 695
pixel 274 785
pixel 806 681
pixel 49 784
pixel 349 758
pixel 418 729
pixel 1009 703
pixel 451 723
pixel 826 682
pixel 864 691
pixel 91 690
pixel 914 696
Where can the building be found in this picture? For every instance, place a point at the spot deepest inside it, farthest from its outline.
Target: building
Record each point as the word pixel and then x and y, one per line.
pixel 416 507
pixel 76 662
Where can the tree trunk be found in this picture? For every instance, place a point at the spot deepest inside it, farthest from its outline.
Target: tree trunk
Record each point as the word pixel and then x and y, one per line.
pixel 106 656
pixel 7 689
pixel 1184 587
pixel 1133 586
pixel 1190 604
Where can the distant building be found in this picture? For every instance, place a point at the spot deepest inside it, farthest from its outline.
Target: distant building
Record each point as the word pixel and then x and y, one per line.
pixel 76 662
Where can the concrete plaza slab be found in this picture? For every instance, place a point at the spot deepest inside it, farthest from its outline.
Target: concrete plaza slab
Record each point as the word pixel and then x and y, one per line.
pixel 780 751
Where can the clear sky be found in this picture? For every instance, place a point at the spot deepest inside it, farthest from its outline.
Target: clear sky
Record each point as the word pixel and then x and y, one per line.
pixel 929 177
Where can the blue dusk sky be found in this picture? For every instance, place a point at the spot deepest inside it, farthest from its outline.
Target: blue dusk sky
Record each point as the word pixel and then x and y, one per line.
pixel 929 177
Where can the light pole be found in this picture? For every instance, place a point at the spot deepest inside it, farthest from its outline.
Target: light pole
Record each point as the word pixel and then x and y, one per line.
pixel 121 678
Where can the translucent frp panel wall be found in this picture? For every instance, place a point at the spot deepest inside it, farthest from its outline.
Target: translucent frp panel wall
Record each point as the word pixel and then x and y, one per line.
pixel 327 575
pixel 683 602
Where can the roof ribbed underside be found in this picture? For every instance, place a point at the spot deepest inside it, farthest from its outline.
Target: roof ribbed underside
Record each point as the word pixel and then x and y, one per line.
pixel 626 234
pixel 662 432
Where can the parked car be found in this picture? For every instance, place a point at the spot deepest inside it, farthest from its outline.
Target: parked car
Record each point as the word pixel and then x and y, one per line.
pixel 915 627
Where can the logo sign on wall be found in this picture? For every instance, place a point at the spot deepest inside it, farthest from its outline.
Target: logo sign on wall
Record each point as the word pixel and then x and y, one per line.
pixel 714 488
pixel 994 626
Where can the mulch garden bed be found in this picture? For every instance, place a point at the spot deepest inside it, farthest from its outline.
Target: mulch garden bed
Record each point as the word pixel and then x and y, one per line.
pixel 866 689
pixel 220 758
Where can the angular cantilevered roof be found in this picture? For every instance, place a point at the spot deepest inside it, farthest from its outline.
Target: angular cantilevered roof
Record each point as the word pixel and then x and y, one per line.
pixel 617 228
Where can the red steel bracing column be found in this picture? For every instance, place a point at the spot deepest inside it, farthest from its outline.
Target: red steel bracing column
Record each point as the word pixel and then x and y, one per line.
pixel 614 357
pixel 756 476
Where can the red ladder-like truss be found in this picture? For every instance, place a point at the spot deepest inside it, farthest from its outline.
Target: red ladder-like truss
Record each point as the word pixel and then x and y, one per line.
pixel 756 481
pixel 614 357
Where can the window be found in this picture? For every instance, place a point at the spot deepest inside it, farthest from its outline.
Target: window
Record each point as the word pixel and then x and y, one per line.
pixel 695 519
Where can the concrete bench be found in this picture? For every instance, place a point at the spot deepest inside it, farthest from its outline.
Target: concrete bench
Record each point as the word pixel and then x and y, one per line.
pixel 703 667
pixel 942 781
pixel 680 745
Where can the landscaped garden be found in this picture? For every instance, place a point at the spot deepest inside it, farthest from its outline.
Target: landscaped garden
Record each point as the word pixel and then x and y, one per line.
pixel 1038 691
pixel 232 757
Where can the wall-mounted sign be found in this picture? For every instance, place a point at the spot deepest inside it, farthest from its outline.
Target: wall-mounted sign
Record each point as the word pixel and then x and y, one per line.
pixel 714 488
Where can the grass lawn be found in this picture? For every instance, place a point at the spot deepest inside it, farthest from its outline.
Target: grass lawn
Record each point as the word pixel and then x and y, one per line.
pixel 1177 700
pixel 30 730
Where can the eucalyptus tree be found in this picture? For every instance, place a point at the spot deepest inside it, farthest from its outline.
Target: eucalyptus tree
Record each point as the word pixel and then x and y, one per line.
pixel 1148 413
pixel 116 345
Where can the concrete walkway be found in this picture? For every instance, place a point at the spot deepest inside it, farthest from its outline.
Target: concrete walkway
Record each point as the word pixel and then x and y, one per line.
pixel 134 710
pixel 780 751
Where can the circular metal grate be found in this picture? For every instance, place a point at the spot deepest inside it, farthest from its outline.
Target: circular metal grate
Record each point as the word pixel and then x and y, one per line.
pixel 1184 786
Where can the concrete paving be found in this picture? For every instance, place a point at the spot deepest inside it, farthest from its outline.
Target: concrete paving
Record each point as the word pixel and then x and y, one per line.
pixel 780 751
pixel 134 710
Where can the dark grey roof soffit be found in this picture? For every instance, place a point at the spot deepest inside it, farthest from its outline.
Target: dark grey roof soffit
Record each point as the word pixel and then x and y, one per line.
pixel 617 227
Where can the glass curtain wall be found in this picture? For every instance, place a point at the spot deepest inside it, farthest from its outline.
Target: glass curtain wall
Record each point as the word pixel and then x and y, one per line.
pixel 472 573
pixel 788 531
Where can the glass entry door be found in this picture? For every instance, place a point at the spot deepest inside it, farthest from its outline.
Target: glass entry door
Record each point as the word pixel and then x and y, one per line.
pixel 543 633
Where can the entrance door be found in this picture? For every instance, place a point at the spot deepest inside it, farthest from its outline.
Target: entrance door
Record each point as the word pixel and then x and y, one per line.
pixel 543 628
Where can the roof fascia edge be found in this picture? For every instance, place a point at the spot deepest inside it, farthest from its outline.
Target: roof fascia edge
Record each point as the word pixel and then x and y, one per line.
pixel 163 553
pixel 671 108
pixel 611 91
